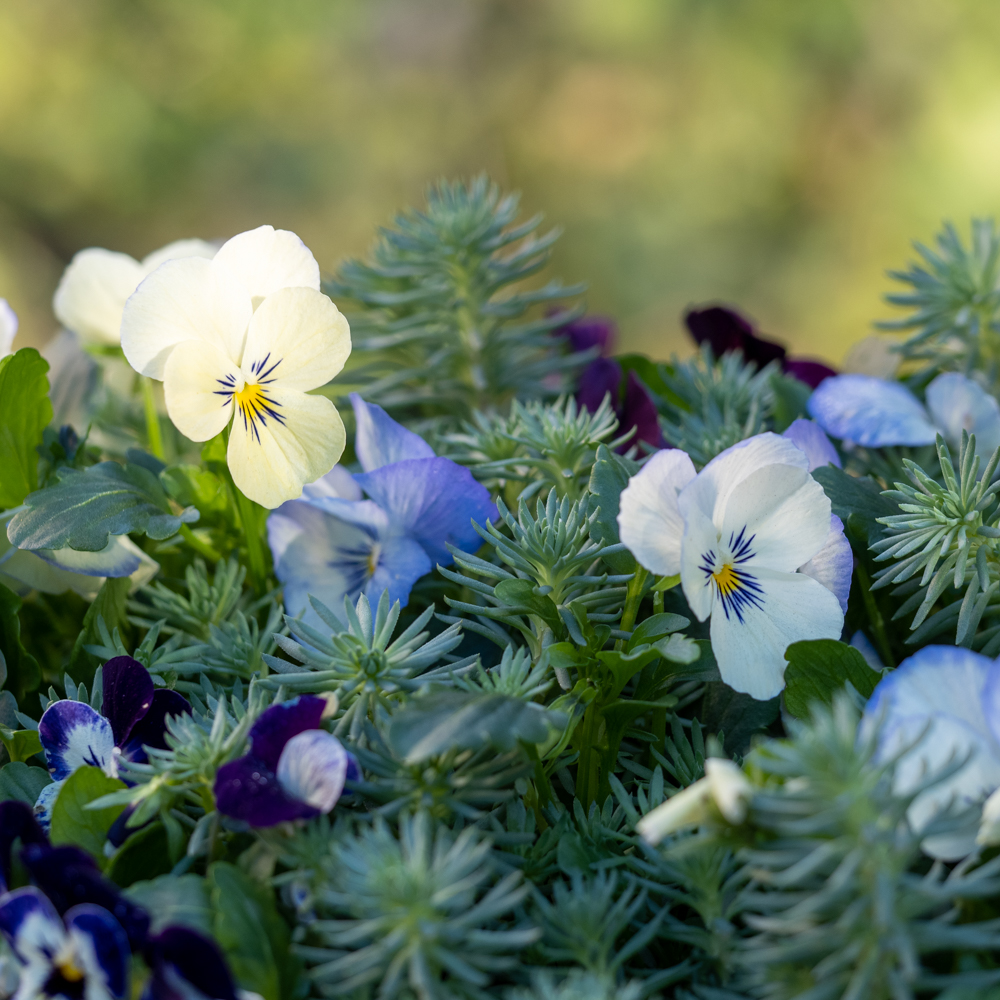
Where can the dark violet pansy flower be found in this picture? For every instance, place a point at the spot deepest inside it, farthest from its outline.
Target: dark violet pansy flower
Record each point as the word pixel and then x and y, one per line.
pixel 726 330
pixel 331 543
pixel 134 715
pixel 294 769
pixel 181 958
pixel 630 399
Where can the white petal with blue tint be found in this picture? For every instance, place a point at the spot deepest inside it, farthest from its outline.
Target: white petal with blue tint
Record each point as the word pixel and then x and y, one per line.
pixel 957 404
pixel 649 518
pixel 31 925
pixel 312 768
pixel 45 801
pixel 833 565
pixel 338 483
pixel 8 328
pixel 809 437
pixel 870 411
pixel 74 735
pixel 98 947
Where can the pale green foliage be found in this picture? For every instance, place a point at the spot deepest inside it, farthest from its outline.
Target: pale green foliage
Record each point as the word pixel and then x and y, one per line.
pixel 514 675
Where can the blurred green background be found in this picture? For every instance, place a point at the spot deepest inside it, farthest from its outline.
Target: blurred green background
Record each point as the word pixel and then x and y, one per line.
pixel 771 153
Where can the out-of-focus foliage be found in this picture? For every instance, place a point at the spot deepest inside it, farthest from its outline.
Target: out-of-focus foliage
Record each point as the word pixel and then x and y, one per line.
pixel 779 155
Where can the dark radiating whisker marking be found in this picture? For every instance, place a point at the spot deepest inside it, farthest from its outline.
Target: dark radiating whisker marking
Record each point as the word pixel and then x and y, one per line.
pixel 738 589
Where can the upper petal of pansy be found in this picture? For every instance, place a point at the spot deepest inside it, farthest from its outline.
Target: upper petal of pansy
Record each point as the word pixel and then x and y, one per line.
pixel 957 404
pixel 601 377
pixel 74 735
pixel 281 440
pixel 749 637
pixel 31 924
pixel 298 339
pixel 266 259
pixel 182 300
pixel 833 565
pixel 279 723
pixel 200 383
pixel 870 411
pixel 92 293
pixel 711 489
pixel 934 703
pixel 312 768
pixel 726 330
pixel 639 411
pixel 149 731
pixel 379 440
pixel 697 563
pixel 102 946
pixel 810 372
pixel 781 513
pixel 810 438
pixel 128 693
pixel 434 500
pixel 175 251
pixel 338 482
pixel 649 519
pixel 8 328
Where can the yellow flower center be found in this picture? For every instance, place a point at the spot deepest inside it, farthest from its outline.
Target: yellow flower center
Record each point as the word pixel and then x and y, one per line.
pixel 726 580
pixel 69 970
pixel 256 407
pixel 251 400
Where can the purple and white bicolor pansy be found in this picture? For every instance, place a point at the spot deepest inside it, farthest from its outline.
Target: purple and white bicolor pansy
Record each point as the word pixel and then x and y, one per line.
pixel 938 708
pixel 294 769
pixel 83 955
pixel 741 534
pixel 133 716
pixel 878 413
pixel 332 543
pixel 238 341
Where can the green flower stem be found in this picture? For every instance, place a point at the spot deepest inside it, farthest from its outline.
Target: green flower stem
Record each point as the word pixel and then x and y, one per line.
pixel 199 545
pixel 249 514
pixel 633 598
pixel 875 618
pixel 154 437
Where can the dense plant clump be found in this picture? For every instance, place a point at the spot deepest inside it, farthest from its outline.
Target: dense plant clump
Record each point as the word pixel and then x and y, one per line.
pixel 545 675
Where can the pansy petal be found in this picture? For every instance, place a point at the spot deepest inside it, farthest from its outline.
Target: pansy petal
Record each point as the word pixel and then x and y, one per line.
pixel 150 729
pixel 72 379
pixel 273 454
pixel 199 386
pixel 379 440
pixel 266 259
pixel 175 251
pixel 102 945
pixel 8 328
pixel 128 693
pixel 808 436
pixel 338 482
pixel 279 723
pixel 179 953
pixel 649 518
pixel 248 790
pixel 182 300
pixel 870 411
pixel 749 643
pixel 400 563
pixel 833 565
pixel 601 377
pixel 312 768
pixel 74 735
pixel 434 500
pixel 701 538
pixel 809 372
pixel 639 411
pixel 957 404
pixel 31 924
pixel 45 802
pixel 297 339
pixel 726 330
pixel 588 332
pixel 115 559
pixel 92 293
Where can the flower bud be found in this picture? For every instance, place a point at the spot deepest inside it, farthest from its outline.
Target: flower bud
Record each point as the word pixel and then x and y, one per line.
pixel 989 827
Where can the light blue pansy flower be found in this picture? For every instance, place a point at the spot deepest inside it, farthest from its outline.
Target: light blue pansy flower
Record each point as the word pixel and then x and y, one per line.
pixel 877 413
pixel 332 543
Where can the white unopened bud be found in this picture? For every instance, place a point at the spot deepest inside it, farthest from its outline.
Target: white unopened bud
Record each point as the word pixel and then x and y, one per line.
pixel 989 827
pixel 731 789
pixel 332 704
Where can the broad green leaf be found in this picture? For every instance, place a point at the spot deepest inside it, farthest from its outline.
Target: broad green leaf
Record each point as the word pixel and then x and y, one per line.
pixel 443 720
pixel 623 666
pixel 857 501
pixel 25 412
pixel 520 596
pixel 736 716
pixel 790 398
pixel 144 855
pixel 172 899
pixel 109 604
pixel 23 674
pixel 193 486
pixel 83 508
pixel 655 627
pixel 249 930
pixel 20 743
pixel 819 668
pixel 646 369
pixel 609 477
pixel 20 781
pixel 73 823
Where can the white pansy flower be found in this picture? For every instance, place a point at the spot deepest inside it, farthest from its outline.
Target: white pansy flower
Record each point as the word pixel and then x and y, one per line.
pixel 8 328
pixel 241 339
pixel 94 288
pixel 738 533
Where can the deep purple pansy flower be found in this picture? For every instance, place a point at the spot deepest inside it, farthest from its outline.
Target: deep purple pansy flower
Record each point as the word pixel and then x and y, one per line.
pixel 133 715
pixel 294 769
pixel 73 933
pixel 331 543
pixel 630 399
pixel 726 330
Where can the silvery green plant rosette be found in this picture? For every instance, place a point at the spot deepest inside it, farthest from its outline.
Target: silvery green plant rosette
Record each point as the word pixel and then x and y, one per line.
pixel 389 636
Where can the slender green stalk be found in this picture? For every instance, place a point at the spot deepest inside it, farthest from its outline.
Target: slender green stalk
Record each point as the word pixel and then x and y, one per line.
pixel 875 618
pixel 154 436
pixel 199 545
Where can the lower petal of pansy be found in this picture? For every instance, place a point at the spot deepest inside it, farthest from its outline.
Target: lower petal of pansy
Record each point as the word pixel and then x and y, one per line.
pixel 833 565
pixel 45 801
pixel 200 383
pixel 749 637
pixel 312 768
pixel 281 440
pixel 248 790
pixel 398 564
pixel 957 404
pixel 99 948
pixel 74 735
